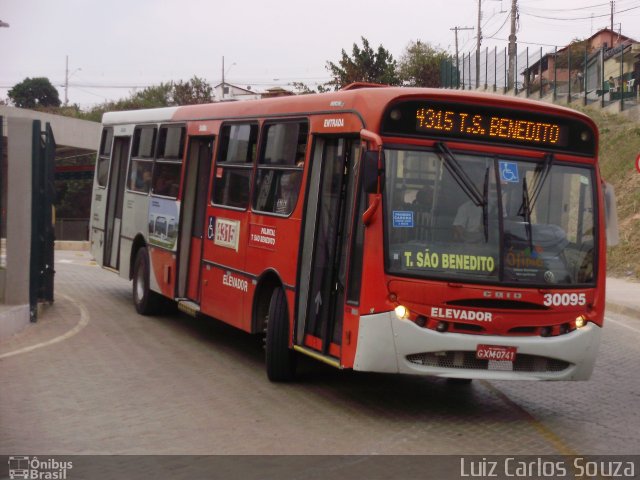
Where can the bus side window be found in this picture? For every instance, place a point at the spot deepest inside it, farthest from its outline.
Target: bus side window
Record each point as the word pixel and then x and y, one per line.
pixel 280 167
pixel 234 165
pixel 166 174
pixel 166 179
pixel 104 157
pixel 142 152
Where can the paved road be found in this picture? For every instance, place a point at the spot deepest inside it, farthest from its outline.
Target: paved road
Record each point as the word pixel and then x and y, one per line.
pixel 103 379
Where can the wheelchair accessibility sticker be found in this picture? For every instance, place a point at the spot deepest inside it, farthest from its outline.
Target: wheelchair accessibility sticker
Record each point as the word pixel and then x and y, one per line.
pixel 509 172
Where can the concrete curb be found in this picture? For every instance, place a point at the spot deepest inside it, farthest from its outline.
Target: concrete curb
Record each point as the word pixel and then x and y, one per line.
pixel 623 310
pixel 72 245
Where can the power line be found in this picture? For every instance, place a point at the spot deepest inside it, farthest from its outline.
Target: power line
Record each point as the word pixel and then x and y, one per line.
pixel 506 19
pixel 569 9
pixel 526 43
pixel 578 18
pixel 277 81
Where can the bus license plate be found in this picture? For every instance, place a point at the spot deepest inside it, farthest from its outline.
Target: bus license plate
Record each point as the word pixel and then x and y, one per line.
pixel 496 352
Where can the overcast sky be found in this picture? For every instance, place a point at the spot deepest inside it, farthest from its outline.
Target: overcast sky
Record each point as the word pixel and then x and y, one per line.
pixel 135 43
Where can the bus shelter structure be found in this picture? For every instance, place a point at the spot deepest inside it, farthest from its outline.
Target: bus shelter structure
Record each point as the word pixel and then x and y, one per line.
pixel 28 154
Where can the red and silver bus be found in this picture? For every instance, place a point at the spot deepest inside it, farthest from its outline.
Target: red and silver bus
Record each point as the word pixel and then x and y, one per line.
pixel 415 231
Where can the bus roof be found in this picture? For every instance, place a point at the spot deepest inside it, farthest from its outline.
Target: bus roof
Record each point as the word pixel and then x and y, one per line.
pixel 361 100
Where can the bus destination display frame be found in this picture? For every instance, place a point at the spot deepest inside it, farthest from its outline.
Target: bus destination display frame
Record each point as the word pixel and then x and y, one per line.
pixel 489 124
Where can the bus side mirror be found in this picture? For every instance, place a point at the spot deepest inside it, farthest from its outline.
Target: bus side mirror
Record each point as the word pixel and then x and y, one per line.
pixel 370 171
pixel 611 215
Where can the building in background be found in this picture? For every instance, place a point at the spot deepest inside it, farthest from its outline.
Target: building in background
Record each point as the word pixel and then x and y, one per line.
pixel 565 68
pixel 226 92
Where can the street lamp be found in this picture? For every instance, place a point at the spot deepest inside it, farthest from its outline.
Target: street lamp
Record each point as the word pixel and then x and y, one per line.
pixel 4 24
pixel 223 74
pixel 66 81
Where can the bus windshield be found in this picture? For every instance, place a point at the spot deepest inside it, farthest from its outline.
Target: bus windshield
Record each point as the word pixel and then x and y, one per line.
pixel 492 219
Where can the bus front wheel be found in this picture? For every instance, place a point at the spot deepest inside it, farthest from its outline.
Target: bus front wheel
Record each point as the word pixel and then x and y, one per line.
pixel 281 360
pixel 146 301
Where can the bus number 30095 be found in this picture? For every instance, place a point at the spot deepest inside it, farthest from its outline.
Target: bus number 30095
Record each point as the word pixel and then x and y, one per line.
pixel 564 299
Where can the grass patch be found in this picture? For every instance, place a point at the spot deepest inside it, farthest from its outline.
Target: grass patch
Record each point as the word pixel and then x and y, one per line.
pixel 619 147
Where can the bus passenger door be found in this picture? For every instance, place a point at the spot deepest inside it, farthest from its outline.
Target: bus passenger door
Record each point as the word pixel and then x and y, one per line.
pixel 113 216
pixel 329 210
pixel 194 204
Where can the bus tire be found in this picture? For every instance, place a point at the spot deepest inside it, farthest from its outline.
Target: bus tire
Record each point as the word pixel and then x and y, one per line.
pixel 280 359
pixel 146 301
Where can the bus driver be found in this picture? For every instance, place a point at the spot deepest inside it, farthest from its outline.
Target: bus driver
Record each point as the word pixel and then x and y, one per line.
pixel 467 226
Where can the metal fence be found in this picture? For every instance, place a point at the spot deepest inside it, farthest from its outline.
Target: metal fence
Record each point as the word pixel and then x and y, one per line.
pixel 605 75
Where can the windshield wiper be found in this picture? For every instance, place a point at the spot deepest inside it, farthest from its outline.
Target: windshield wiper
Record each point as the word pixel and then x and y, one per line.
pixel 541 175
pixel 485 205
pixel 525 212
pixel 529 200
pixel 460 176
pixel 466 184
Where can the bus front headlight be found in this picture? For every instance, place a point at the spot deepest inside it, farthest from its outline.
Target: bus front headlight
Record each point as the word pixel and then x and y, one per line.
pixel 402 312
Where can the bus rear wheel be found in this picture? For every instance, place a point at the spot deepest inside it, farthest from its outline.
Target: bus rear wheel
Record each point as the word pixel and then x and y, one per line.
pixel 146 301
pixel 281 360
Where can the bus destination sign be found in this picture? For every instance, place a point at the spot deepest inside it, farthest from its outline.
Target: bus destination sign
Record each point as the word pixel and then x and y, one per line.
pixel 490 124
pixel 478 125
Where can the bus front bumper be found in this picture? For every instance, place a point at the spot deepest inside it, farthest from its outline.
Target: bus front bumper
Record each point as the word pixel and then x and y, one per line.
pixel 387 344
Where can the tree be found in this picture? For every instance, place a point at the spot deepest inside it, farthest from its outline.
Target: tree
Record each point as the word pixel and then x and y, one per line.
pixel 365 65
pixel 169 94
pixel 150 97
pixel 302 88
pixel 577 48
pixel 34 93
pixel 192 92
pixel 420 65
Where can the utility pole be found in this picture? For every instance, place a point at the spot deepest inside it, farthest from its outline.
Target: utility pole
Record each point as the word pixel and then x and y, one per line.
pixel 612 3
pixel 612 6
pixel 456 29
pixel 223 77
pixel 66 82
pixel 512 45
pixel 478 43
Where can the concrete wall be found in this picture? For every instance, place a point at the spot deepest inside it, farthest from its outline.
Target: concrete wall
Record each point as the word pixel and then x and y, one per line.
pixel 14 281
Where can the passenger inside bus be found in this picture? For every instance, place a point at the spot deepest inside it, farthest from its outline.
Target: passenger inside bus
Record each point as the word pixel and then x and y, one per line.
pixel 288 191
pixel 141 178
pixel 467 226
pixel 166 180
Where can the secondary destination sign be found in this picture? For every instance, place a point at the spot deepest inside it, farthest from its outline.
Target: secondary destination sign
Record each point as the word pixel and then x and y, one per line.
pixel 489 124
